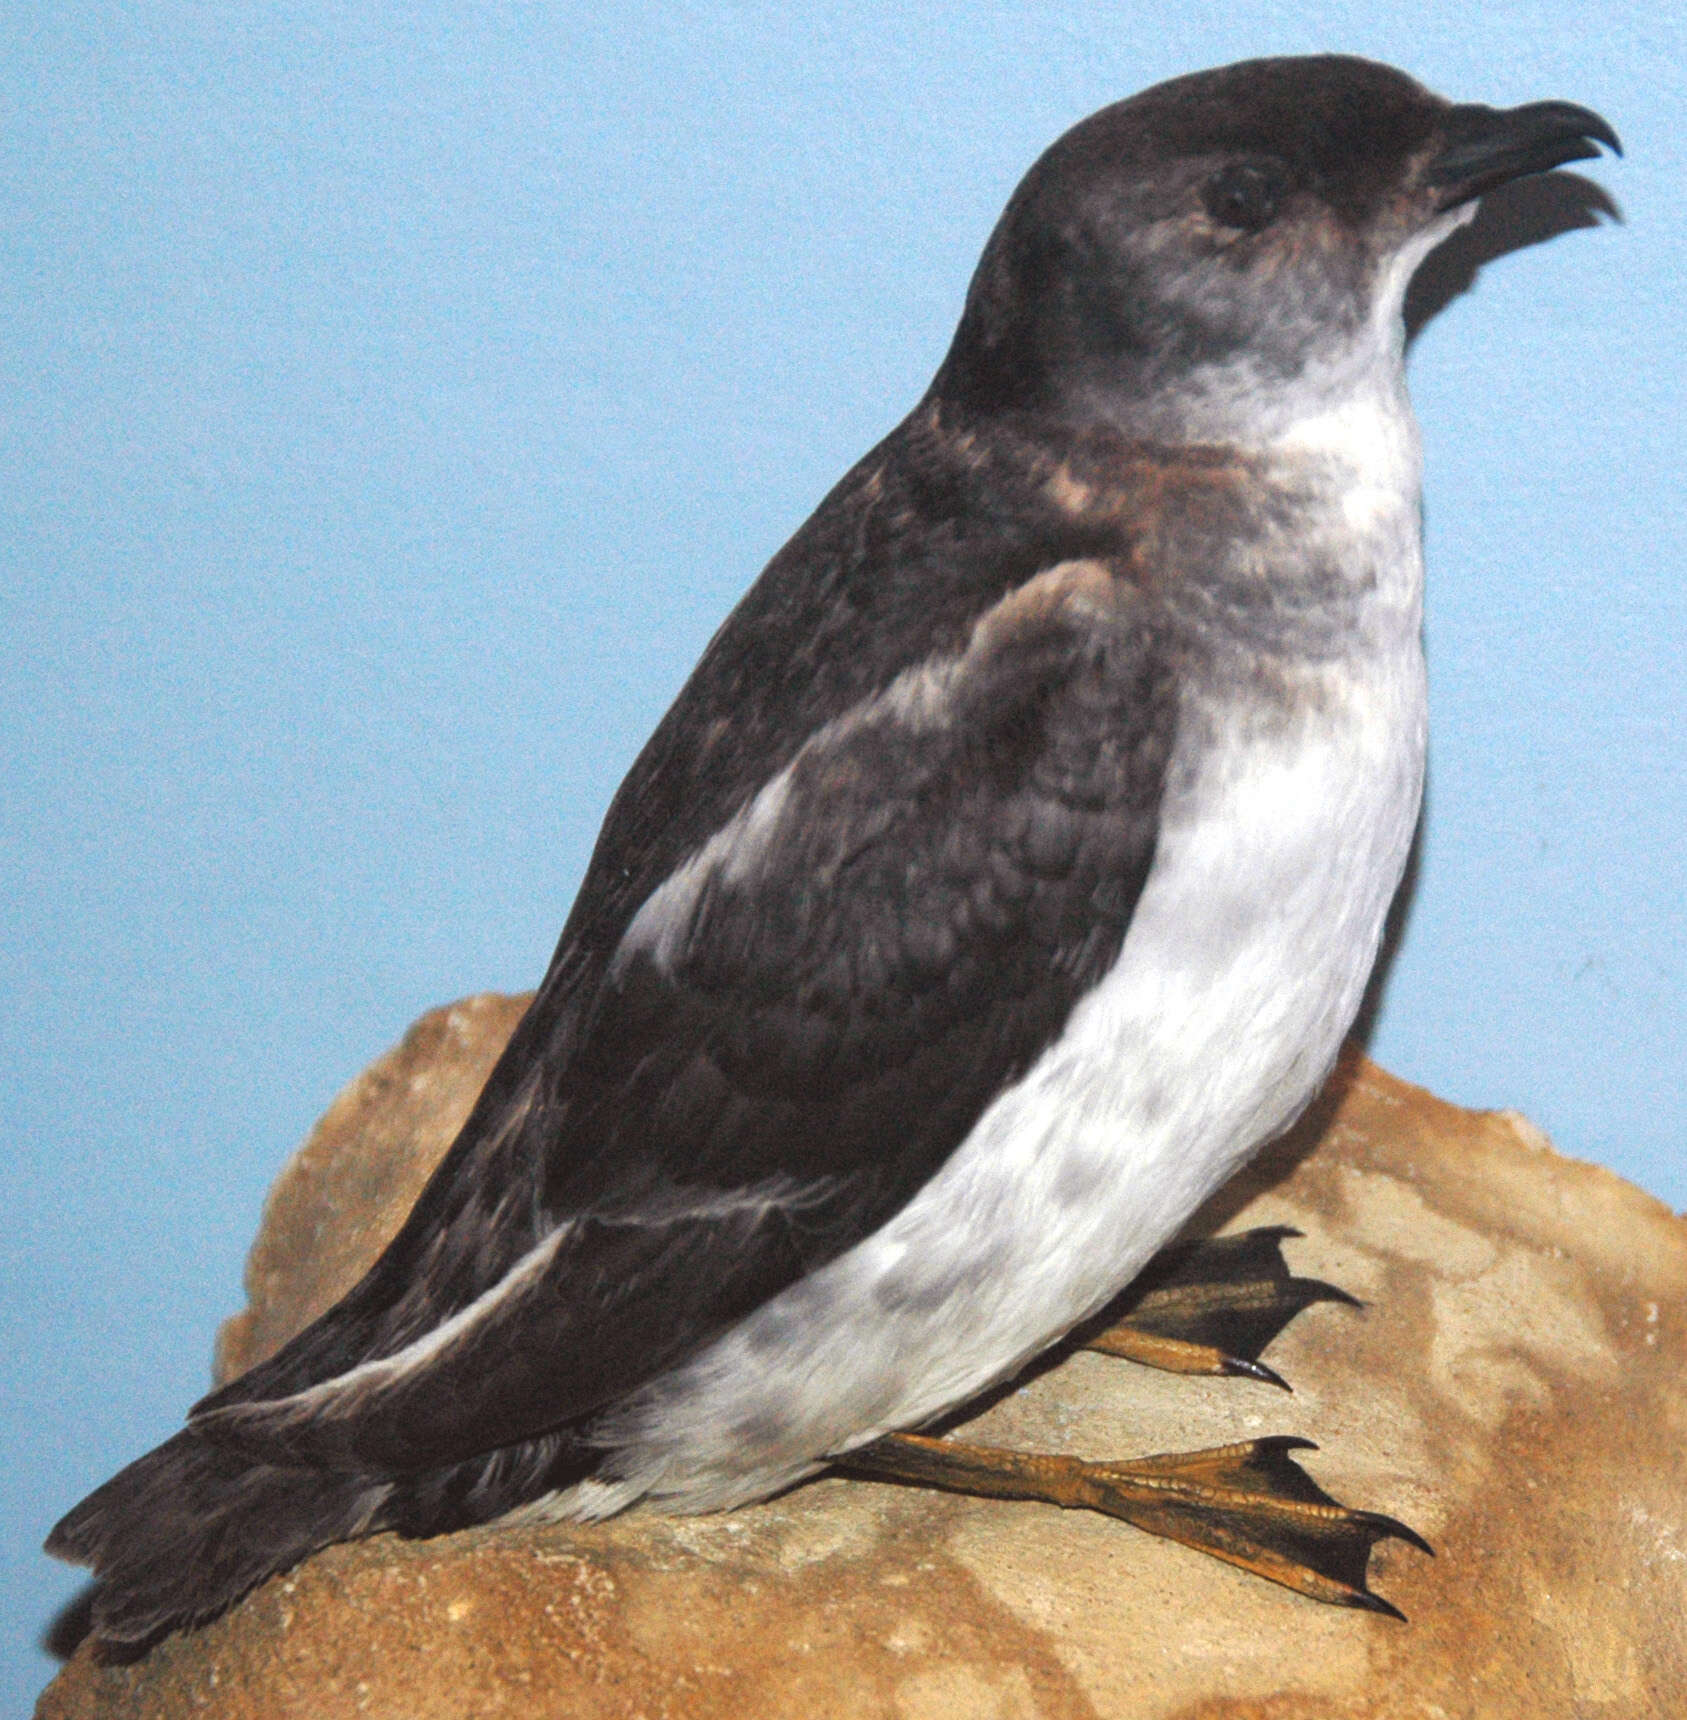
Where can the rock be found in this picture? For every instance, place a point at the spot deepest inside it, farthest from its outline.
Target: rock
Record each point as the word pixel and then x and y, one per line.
pixel 1515 1390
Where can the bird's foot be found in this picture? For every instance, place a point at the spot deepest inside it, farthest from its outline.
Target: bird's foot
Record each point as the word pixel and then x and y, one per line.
pixel 1250 1504
pixel 1211 1307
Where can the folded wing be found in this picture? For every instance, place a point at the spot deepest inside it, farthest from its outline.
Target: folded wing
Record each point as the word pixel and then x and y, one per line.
pixel 796 1028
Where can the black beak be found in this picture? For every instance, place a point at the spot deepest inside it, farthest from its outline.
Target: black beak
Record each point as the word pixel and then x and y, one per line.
pixel 1483 147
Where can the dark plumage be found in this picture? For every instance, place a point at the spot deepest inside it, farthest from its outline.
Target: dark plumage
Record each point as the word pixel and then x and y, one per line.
pixel 853 902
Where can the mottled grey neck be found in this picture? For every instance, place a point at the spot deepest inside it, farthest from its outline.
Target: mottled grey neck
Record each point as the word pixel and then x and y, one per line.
pixel 1323 553
pixel 1315 550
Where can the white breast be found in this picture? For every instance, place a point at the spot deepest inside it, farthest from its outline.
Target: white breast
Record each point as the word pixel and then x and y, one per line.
pixel 1243 968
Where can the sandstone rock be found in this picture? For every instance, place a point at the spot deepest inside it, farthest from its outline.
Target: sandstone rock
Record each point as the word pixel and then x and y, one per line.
pixel 1515 1390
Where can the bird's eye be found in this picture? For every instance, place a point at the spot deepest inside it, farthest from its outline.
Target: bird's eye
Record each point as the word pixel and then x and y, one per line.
pixel 1246 195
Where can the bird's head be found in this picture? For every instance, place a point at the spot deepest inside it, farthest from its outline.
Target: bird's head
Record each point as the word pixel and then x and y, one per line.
pixel 1220 248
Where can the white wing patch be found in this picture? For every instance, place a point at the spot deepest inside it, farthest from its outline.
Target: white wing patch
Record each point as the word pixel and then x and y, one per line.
pixel 666 1210
pixel 921 699
pixel 734 853
pixel 370 1377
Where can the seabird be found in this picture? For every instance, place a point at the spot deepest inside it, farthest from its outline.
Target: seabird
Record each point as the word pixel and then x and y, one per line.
pixel 1007 873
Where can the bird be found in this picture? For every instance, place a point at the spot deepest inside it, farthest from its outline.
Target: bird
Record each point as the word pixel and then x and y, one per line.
pixel 1008 871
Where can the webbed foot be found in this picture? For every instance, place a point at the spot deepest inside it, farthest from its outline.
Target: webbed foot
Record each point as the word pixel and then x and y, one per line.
pixel 1211 1307
pixel 1250 1504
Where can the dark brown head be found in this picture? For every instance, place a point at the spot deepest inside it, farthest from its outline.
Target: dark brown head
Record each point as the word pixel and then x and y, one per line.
pixel 1229 234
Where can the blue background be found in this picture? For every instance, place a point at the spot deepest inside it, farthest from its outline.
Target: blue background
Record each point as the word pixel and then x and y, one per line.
pixel 395 399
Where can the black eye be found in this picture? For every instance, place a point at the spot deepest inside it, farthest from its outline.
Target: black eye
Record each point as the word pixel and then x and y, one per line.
pixel 1247 194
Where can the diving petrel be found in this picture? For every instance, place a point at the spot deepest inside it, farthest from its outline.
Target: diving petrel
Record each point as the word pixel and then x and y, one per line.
pixel 1008 871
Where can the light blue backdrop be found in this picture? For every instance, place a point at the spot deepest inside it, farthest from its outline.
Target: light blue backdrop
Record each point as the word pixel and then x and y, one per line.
pixel 396 399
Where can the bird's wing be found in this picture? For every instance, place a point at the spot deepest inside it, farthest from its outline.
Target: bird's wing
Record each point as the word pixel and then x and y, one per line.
pixel 793 1031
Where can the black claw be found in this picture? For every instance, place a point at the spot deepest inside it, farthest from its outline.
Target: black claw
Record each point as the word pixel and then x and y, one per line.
pixel 1241 1367
pixel 1387 1527
pixel 1365 1601
pixel 1285 1442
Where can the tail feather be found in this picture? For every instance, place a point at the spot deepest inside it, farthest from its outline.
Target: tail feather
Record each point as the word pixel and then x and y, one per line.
pixel 182 1533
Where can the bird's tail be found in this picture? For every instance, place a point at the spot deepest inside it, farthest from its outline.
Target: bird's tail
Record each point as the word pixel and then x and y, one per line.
pixel 185 1531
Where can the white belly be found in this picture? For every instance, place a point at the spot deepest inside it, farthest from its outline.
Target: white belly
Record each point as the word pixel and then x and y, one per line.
pixel 1243 968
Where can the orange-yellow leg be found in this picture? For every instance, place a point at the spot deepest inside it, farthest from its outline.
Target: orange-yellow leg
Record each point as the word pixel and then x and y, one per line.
pixel 1251 1504
pixel 1175 1356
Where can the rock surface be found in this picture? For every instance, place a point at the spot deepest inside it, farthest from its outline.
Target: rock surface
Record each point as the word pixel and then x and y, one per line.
pixel 1515 1390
